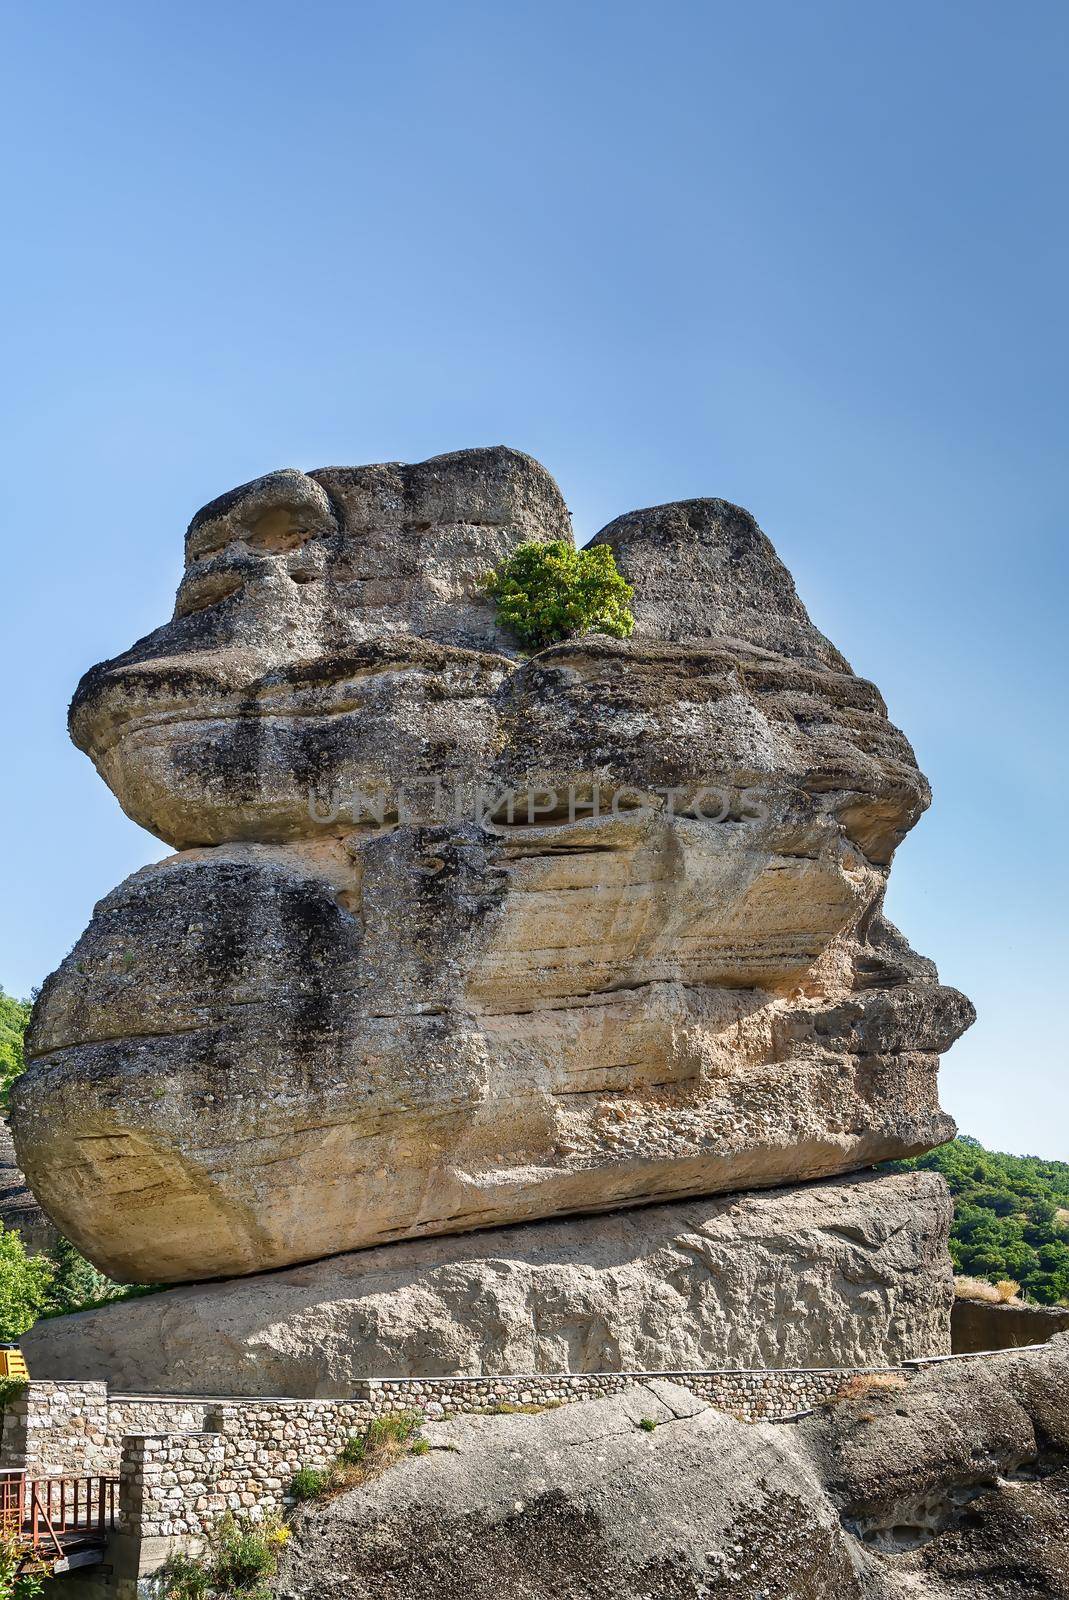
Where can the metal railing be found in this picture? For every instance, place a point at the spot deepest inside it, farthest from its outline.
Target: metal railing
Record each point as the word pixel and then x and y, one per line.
pixel 49 1515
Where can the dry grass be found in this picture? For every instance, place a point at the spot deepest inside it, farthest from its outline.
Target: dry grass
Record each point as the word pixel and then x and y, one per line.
pixel 365 1456
pixel 1005 1292
pixel 864 1384
pixel 505 1408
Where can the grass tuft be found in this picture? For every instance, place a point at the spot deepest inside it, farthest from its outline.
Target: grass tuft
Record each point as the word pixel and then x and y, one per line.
pixel 363 1456
pixel 1003 1293
pixel 865 1384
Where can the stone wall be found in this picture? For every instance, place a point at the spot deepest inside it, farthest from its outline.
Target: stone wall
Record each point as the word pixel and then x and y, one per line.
pixel 182 1462
pixel 171 1484
pixel 64 1428
pixel 54 1429
pixel 753 1395
pixel 244 1459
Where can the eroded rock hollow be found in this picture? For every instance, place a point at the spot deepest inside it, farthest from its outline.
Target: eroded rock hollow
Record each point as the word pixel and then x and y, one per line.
pixel 454 938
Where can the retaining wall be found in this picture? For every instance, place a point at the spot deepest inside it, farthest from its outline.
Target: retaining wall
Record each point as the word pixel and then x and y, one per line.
pixel 182 1462
pixel 64 1428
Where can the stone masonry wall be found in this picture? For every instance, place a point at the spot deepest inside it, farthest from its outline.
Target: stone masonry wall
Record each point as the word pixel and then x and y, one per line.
pixel 182 1462
pixel 53 1429
pixel 171 1484
pixel 63 1428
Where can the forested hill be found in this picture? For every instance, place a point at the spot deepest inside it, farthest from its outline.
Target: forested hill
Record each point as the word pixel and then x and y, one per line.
pixel 1011 1216
pixel 14 1015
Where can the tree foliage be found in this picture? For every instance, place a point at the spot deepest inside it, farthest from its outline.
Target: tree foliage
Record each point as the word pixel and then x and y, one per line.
pixel 546 592
pixel 14 1015
pixel 1011 1216
pixel 25 1286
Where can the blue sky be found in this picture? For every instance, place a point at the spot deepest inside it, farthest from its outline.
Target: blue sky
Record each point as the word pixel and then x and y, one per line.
pixel 809 258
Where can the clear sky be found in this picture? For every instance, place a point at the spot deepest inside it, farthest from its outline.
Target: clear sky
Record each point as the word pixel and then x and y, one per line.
pixel 812 258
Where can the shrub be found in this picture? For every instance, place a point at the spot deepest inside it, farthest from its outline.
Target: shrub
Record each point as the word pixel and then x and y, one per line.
pixel 308 1483
pixel 546 592
pixel 647 1424
pixel 382 1436
pixel 364 1455
pixel 244 1553
pixel 240 1558
pixel 1004 1292
pixel 184 1577
pixel 15 1585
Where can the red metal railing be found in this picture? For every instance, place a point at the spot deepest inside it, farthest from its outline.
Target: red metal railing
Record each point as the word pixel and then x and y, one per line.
pixel 49 1513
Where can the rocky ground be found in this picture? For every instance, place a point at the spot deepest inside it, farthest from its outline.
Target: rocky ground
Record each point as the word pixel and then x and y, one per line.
pixel 954 1488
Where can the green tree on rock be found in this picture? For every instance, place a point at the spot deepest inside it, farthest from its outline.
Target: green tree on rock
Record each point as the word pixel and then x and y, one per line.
pixel 547 592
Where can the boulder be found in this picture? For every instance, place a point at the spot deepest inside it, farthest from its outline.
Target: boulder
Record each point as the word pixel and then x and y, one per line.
pixel 848 1273
pixel 647 1496
pixel 955 1485
pixel 455 939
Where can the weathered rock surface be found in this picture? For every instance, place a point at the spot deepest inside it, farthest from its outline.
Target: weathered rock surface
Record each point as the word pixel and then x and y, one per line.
pixel 853 1272
pixel 329 1023
pixel 583 1504
pixel 955 1487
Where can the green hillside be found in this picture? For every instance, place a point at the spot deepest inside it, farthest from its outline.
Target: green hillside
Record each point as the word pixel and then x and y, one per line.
pixel 14 1015
pixel 1011 1216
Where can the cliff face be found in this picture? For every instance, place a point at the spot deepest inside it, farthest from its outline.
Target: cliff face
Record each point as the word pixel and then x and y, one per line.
pixel 829 1274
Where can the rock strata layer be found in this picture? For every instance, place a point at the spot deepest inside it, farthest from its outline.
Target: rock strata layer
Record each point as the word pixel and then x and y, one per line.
pixel 455 939
pixel 849 1273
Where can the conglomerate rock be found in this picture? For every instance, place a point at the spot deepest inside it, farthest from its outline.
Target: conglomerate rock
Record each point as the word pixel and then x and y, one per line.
pixel 954 1487
pixel 852 1272
pixel 456 939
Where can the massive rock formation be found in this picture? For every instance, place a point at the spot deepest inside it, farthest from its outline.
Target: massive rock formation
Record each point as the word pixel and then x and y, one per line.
pixel 955 1487
pixel 847 1273
pixel 457 939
